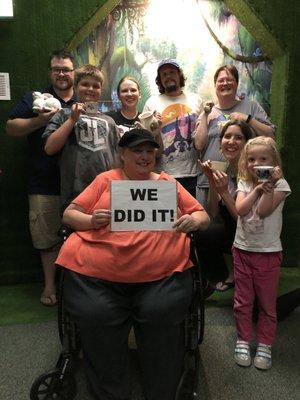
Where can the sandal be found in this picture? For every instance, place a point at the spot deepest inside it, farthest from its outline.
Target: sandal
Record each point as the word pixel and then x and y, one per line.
pixel 48 300
pixel 208 289
pixel 263 357
pixel 224 285
pixel 242 354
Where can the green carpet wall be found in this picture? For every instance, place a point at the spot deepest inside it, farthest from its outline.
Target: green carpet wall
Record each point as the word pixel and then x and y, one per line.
pixel 40 26
pixel 275 26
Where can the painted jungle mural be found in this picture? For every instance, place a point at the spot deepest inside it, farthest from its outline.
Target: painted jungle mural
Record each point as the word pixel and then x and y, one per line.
pixel 201 35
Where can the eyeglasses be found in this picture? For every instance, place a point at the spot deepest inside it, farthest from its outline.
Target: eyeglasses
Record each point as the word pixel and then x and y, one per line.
pixel 225 80
pixel 57 70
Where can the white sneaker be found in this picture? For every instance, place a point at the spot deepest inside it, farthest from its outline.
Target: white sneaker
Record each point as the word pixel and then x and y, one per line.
pixel 242 354
pixel 263 357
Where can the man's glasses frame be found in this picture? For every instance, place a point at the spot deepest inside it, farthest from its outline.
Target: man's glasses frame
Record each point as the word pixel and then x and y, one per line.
pixel 64 71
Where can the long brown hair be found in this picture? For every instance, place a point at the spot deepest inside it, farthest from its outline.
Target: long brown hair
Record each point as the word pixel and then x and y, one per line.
pixel 245 128
pixel 161 89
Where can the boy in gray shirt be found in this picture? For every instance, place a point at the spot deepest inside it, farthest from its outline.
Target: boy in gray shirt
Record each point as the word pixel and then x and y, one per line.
pixel 87 141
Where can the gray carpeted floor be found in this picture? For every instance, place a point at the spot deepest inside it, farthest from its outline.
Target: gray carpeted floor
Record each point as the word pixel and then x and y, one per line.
pixel 26 351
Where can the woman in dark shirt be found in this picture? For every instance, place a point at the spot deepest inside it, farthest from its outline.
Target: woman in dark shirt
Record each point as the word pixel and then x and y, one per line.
pixel 129 94
pixel 216 241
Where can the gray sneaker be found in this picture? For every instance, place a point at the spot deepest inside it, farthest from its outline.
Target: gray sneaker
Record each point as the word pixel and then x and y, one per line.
pixel 263 357
pixel 242 354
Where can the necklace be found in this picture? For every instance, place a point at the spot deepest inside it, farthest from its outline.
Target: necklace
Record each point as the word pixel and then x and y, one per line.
pixel 129 117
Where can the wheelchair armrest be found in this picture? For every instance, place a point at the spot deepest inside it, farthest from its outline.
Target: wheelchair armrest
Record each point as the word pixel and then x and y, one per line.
pixel 64 232
pixel 194 250
pixel 198 301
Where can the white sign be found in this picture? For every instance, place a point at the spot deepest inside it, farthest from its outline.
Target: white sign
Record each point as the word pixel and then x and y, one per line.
pixel 143 205
pixel 6 8
pixel 4 86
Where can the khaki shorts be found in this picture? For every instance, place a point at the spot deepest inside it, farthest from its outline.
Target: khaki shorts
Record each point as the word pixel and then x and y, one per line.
pixel 44 220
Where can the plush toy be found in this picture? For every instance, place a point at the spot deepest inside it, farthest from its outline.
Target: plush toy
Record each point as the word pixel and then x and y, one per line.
pixel 44 102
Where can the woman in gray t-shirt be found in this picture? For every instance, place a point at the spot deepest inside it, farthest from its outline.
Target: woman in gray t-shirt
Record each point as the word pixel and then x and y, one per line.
pixel 213 118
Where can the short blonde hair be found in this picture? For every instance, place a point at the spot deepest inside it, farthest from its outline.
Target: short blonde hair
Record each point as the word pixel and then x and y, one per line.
pixel 88 70
pixel 268 142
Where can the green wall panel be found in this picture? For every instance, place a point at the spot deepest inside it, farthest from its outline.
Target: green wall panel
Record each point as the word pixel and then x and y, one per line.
pixel 40 26
pixel 274 25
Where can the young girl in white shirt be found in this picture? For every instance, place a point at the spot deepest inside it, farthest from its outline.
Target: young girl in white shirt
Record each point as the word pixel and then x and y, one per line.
pixel 257 249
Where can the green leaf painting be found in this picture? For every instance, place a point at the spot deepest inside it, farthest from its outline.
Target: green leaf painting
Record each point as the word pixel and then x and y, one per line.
pixel 202 35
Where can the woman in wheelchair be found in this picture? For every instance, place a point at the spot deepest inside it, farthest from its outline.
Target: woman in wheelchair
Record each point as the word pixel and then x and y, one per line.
pixel 118 280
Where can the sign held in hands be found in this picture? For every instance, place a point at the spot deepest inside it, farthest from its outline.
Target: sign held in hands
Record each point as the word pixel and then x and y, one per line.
pixel 143 205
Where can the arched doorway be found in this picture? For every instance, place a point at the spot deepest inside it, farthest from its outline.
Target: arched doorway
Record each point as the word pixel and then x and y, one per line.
pixel 268 45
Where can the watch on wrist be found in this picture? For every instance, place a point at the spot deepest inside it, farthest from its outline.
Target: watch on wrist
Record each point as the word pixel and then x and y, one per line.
pixel 248 118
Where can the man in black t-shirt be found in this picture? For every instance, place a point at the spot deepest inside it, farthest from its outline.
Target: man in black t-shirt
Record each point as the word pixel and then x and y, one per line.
pixel 43 172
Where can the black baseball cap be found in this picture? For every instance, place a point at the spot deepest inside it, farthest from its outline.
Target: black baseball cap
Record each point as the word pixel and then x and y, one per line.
pixel 137 136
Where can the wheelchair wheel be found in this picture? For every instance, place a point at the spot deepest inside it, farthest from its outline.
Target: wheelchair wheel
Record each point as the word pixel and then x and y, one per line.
pixel 188 385
pixel 49 386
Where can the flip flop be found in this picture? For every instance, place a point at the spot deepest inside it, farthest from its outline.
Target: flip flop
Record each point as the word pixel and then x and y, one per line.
pixel 49 300
pixel 223 286
pixel 208 290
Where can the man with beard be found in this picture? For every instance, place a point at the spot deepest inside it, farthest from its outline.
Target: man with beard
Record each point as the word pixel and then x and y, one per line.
pixel 44 182
pixel 179 111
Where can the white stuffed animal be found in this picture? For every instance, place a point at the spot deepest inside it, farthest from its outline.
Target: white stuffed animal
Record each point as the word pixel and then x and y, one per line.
pixel 44 102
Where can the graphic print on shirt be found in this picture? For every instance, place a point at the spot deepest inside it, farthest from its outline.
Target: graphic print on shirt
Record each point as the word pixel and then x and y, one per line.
pixel 178 126
pixel 222 120
pixel 123 129
pixel 91 133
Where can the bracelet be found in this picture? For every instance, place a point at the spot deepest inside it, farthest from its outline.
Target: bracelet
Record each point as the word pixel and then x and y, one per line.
pixel 248 119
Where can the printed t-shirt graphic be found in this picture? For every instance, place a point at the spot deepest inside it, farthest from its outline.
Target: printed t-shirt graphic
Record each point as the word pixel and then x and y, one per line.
pixel 178 125
pixel 91 133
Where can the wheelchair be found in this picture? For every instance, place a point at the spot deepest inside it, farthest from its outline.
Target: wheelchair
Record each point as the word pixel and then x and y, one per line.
pixel 60 383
